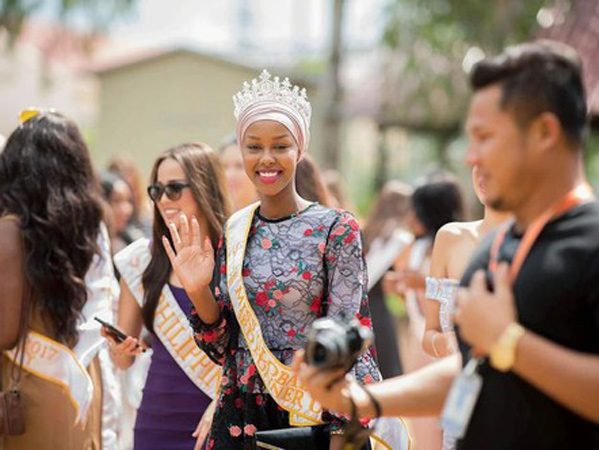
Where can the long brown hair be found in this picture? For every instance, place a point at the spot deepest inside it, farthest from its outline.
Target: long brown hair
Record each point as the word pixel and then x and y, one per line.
pixel 388 212
pixel 47 180
pixel 205 176
pixel 310 184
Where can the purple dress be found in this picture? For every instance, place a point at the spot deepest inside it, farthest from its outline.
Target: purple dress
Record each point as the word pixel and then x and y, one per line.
pixel 172 405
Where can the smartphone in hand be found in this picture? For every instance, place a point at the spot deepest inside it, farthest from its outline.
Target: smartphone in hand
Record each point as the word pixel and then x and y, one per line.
pixel 116 334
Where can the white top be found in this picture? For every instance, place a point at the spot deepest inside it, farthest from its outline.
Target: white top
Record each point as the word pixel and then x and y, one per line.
pixel 444 291
pixel 383 253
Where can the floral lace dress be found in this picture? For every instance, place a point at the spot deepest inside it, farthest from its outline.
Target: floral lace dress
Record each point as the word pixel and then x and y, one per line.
pixel 295 270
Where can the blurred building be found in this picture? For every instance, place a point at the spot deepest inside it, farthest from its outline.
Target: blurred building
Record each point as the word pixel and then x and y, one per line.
pixel 47 68
pixel 157 99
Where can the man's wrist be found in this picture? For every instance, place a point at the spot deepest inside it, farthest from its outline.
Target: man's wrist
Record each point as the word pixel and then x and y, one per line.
pixel 503 352
pixel 364 405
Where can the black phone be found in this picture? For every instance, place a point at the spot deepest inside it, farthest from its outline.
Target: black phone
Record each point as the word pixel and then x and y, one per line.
pixel 117 334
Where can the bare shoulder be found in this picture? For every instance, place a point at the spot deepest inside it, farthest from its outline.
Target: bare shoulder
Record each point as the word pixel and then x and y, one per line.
pixel 10 238
pixel 458 231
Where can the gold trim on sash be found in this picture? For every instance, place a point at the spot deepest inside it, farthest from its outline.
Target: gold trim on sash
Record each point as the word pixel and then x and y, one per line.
pixel 170 322
pixel 47 359
pixel 279 379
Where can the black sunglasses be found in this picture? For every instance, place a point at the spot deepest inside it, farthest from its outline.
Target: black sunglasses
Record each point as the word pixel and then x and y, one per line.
pixel 172 189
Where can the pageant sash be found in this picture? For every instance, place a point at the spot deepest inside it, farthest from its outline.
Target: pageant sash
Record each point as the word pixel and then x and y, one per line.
pixel 56 363
pixel 282 382
pixel 102 293
pixel 170 322
pixel 382 254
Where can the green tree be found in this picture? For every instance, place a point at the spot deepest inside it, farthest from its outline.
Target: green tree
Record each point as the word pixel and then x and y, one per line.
pixel 429 47
pixel 98 14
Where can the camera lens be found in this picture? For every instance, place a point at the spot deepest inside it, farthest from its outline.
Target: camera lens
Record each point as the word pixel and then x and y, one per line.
pixel 320 354
pixel 354 341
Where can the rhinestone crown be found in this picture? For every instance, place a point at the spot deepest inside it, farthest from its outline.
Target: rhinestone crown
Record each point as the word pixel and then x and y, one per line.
pixel 272 89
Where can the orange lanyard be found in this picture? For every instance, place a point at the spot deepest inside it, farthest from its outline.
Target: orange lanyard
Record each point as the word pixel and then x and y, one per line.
pixel 580 194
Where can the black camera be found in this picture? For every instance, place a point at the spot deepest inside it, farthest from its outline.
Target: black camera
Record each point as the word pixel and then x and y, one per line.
pixel 335 344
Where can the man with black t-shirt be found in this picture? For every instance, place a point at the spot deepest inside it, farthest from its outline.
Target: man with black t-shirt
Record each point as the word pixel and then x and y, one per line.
pixel 529 309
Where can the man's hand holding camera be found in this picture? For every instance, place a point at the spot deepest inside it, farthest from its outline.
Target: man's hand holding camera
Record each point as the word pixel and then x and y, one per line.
pixel 333 389
pixel 331 350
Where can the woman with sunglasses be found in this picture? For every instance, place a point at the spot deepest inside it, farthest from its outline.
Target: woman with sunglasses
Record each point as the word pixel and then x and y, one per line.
pixel 187 181
pixel 282 264
pixel 56 276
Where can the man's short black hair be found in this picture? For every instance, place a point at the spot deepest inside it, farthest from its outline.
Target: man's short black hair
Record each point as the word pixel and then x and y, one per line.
pixel 538 77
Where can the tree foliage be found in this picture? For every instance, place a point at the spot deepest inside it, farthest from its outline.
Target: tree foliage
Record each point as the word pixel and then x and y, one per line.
pixel 429 45
pixel 490 24
pixel 98 14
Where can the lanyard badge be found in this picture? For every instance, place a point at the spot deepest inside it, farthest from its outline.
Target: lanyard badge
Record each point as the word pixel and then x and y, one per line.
pixel 465 389
pixel 461 400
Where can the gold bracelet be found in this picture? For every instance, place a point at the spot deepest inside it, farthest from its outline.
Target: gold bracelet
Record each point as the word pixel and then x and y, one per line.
pixel 433 344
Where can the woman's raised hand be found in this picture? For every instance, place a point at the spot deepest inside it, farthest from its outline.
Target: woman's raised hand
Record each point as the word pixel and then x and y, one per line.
pixel 193 256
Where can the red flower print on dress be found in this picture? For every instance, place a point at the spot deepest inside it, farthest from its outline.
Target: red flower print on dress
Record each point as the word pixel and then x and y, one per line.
pixel 259 400
pixel 307 275
pixel 308 232
pixel 223 268
pixel 349 238
pixel 235 431
pixel 353 224
pixel 251 369
pixel 365 322
pixel 209 336
pixel 250 429
pixel 368 379
pixel 315 305
pixel 262 299
pixel 322 247
pixel 291 333
pixel 272 303
pixel 266 244
pixel 278 294
pixel 339 231
pixel 246 272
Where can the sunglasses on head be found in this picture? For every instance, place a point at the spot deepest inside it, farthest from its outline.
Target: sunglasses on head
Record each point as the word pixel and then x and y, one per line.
pixel 30 113
pixel 172 189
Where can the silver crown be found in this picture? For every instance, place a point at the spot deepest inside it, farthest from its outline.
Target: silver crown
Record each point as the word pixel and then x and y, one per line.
pixel 272 89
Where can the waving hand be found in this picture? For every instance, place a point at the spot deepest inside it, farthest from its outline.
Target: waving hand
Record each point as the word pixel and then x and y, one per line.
pixel 193 256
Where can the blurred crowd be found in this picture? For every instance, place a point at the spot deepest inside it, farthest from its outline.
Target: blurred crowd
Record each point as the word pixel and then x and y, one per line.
pixel 175 361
